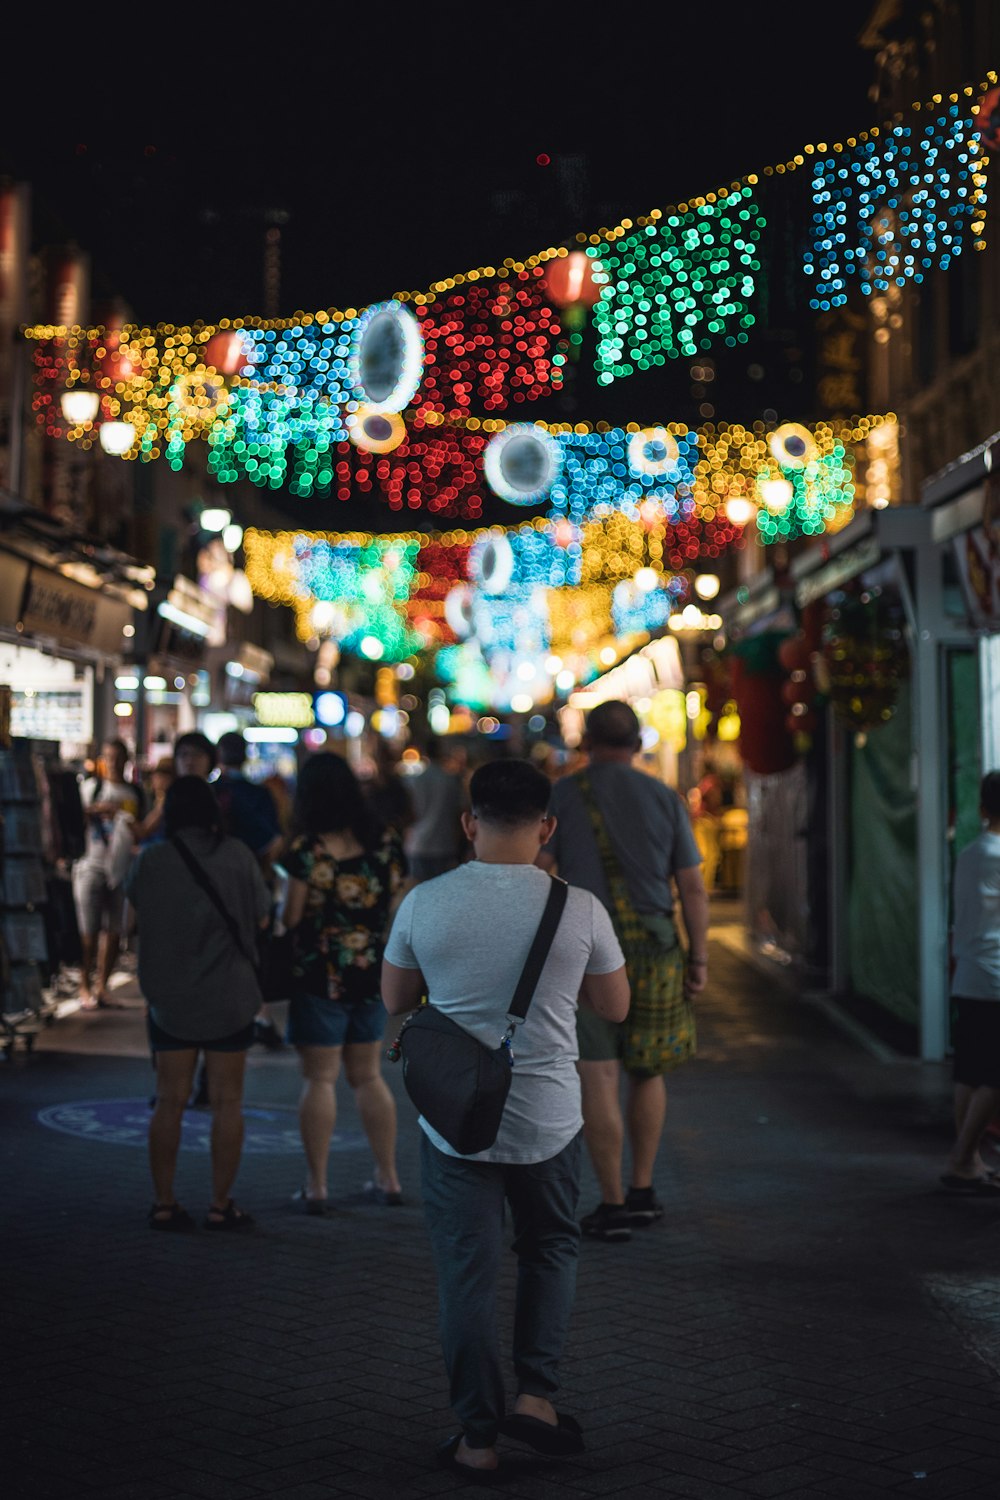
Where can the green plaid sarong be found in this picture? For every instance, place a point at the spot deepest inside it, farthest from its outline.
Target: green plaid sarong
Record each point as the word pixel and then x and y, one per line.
pixel 659 1030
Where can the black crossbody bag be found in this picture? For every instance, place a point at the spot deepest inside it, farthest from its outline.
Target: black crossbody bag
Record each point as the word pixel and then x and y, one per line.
pixel 200 875
pixel 459 1085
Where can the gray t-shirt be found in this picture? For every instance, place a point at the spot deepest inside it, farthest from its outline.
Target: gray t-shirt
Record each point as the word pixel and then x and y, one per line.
pixel 197 984
pixel 976 933
pixel 468 932
pixel 438 798
pixel 648 826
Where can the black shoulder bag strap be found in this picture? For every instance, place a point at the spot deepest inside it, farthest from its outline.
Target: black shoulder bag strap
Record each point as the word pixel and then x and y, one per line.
pixel 538 953
pixel 201 876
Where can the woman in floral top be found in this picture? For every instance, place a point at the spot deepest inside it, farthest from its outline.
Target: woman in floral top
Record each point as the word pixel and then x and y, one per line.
pixel 345 878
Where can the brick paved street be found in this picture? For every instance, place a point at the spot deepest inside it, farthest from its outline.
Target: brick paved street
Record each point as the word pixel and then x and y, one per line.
pixel 814 1317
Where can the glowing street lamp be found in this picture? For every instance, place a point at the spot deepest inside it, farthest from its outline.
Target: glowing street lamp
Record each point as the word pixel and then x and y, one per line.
pixel 79 406
pixel 117 437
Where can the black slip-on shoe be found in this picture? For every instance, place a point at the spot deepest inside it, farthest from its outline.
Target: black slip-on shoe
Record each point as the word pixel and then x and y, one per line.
pixel 609 1221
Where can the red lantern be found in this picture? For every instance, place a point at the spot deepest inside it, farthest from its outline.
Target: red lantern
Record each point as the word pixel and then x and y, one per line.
pixel 765 742
pixel 569 280
pixel 224 353
pixel 795 692
pixel 116 365
pixel 793 653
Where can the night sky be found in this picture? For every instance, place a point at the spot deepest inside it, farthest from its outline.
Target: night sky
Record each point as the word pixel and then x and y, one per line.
pixel 396 151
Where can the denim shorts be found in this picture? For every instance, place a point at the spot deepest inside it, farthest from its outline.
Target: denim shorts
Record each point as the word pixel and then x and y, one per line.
pixel 314 1022
pixel 162 1041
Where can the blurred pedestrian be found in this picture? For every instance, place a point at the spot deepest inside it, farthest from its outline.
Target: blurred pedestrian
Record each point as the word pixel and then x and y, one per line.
pixel 345 874
pixel 434 839
pixel 248 810
pixel 250 815
pixel 464 939
pixel 109 801
pixel 199 899
pixel 627 838
pixel 150 830
pixel 194 754
pixel 975 989
pixel 387 794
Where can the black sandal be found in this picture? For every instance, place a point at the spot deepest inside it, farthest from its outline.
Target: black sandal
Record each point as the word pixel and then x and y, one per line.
pixel 177 1219
pixel 230 1218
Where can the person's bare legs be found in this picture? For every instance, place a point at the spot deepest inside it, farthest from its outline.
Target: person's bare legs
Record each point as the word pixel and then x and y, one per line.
pixel 225 1096
pixel 975 1108
pixel 88 952
pixel 318 1112
pixel 107 956
pixel 603 1126
pixel 377 1108
pixel 645 1113
pixel 174 1072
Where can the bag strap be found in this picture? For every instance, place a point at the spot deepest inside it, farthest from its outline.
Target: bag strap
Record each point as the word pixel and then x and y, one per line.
pixel 623 909
pixel 539 951
pixel 201 877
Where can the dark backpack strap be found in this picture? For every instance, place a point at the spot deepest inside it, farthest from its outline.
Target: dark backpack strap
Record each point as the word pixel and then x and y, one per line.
pixel 201 876
pixel 539 950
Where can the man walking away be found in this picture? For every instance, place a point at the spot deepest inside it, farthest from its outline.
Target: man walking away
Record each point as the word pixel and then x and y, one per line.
pixel 434 838
pixel 975 988
pixel 463 939
pixel 626 837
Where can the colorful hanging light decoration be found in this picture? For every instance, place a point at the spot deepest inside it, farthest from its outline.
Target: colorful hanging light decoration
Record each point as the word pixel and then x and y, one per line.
pixel 898 204
pixel 522 463
pixel 680 286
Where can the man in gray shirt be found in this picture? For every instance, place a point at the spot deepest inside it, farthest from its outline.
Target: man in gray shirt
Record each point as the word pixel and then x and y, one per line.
pixel 438 797
pixel 463 939
pixel 651 846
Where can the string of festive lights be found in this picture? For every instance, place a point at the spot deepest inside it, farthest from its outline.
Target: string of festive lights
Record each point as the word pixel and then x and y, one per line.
pixel 897 206
pixel 512 267
pixel 678 286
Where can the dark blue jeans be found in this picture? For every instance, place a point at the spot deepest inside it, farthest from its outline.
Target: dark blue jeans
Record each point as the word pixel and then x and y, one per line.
pixel 464 1206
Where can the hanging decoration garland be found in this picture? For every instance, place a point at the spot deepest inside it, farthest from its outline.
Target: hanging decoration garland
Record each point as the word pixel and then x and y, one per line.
pixel 901 203
pixel 889 205
pixel 681 285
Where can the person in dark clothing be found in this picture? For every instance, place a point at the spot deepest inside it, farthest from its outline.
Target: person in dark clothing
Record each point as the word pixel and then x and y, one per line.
pixel 248 810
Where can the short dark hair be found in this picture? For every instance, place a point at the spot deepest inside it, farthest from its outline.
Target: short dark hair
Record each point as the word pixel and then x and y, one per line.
pixel 612 725
pixel 989 795
pixel 232 748
pixel 190 803
pixel 197 741
pixel 509 793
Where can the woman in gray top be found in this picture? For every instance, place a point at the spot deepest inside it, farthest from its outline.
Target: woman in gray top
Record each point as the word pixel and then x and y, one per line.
pixel 200 900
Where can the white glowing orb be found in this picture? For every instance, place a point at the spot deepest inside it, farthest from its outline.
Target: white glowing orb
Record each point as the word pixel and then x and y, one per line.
pixel 117 437
pixel 522 463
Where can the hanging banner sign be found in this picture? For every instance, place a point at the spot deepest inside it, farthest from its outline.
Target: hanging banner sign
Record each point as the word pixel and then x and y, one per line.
pixel 67 611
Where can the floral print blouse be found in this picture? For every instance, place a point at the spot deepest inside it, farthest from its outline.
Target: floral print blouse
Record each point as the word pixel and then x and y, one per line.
pixel 338 944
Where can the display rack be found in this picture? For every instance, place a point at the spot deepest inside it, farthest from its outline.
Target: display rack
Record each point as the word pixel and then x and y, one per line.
pixel 24 959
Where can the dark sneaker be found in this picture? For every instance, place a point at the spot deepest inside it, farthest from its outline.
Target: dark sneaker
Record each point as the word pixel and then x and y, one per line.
pixel 642 1207
pixel 609 1221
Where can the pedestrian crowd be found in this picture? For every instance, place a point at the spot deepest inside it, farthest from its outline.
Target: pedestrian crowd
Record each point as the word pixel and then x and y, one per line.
pixel 357 902
pixel 375 899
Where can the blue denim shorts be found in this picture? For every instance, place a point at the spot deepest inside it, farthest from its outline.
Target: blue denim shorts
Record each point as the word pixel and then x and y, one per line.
pixel 314 1022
